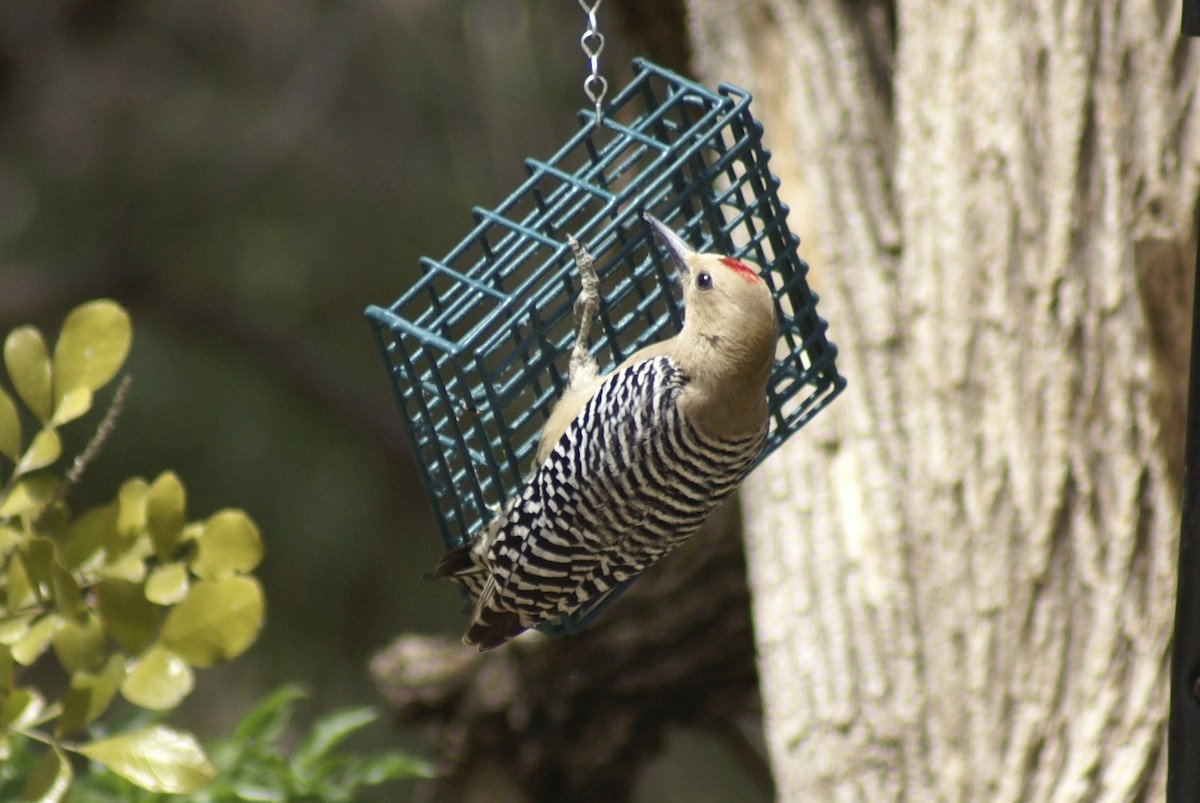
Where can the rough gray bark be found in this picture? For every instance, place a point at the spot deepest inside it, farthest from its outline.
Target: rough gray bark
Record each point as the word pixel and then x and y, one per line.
pixel 962 573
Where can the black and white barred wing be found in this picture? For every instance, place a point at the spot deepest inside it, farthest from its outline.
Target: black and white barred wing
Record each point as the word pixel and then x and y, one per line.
pixel 628 481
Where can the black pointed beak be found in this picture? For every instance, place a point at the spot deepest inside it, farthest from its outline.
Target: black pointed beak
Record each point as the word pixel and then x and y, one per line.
pixel 673 243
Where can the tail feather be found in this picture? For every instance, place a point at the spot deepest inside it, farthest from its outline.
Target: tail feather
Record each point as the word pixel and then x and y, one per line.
pixel 455 563
pixel 492 625
pixel 464 566
pixel 493 630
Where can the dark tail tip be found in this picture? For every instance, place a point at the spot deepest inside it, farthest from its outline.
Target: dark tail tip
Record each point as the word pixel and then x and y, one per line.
pixel 493 629
pixel 453 563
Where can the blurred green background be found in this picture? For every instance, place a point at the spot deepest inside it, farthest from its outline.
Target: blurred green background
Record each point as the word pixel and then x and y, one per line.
pixel 245 177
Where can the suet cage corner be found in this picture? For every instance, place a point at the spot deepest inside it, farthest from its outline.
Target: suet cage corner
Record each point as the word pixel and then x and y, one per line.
pixel 477 349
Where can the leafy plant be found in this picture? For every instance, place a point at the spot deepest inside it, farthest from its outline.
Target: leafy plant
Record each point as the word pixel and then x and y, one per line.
pixel 252 766
pixel 127 598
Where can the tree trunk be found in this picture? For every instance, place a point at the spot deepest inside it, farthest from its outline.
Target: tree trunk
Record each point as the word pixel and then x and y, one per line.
pixel 963 571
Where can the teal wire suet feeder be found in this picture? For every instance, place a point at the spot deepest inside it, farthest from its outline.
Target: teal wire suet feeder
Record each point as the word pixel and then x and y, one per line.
pixel 477 350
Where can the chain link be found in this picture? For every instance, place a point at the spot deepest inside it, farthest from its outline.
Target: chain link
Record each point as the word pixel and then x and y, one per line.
pixel 595 86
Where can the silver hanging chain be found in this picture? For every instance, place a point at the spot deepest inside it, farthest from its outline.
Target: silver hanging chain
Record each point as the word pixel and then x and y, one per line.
pixel 595 86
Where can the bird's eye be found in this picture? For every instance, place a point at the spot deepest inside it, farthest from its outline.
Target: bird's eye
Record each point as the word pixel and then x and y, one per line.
pixel 704 281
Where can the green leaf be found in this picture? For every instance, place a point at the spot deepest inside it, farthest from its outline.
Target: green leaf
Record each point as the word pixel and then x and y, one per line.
pixel 10 427
pixel 43 450
pixel 86 535
pixel 92 346
pixel 21 708
pixel 390 766
pixel 10 537
pixel 19 591
pixel 128 565
pixel 131 503
pixel 89 696
pixel 80 644
pixel 14 627
pixel 270 718
pixel 165 514
pixel 155 758
pixel 268 789
pixel 37 555
pixel 66 591
pixel 6 669
pixel 158 680
pixel 74 403
pixel 52 520
pixel 216 621
pixel 167 584
pixel 327 733
pixel 30 646
pixel 28 365
pixel 28 495
pixel 50 780
pixel 127 615
pixel 229 544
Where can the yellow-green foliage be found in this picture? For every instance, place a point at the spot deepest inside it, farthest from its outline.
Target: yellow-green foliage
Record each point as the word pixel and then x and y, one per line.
pixel 129 598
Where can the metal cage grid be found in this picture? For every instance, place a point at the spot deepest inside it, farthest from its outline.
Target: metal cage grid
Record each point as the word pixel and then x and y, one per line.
pixel 477 350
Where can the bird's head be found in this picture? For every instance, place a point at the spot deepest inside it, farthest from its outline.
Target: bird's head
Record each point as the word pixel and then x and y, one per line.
pixel 728 309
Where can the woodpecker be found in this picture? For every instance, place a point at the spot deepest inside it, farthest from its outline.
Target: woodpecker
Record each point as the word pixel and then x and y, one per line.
pixel 631 464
